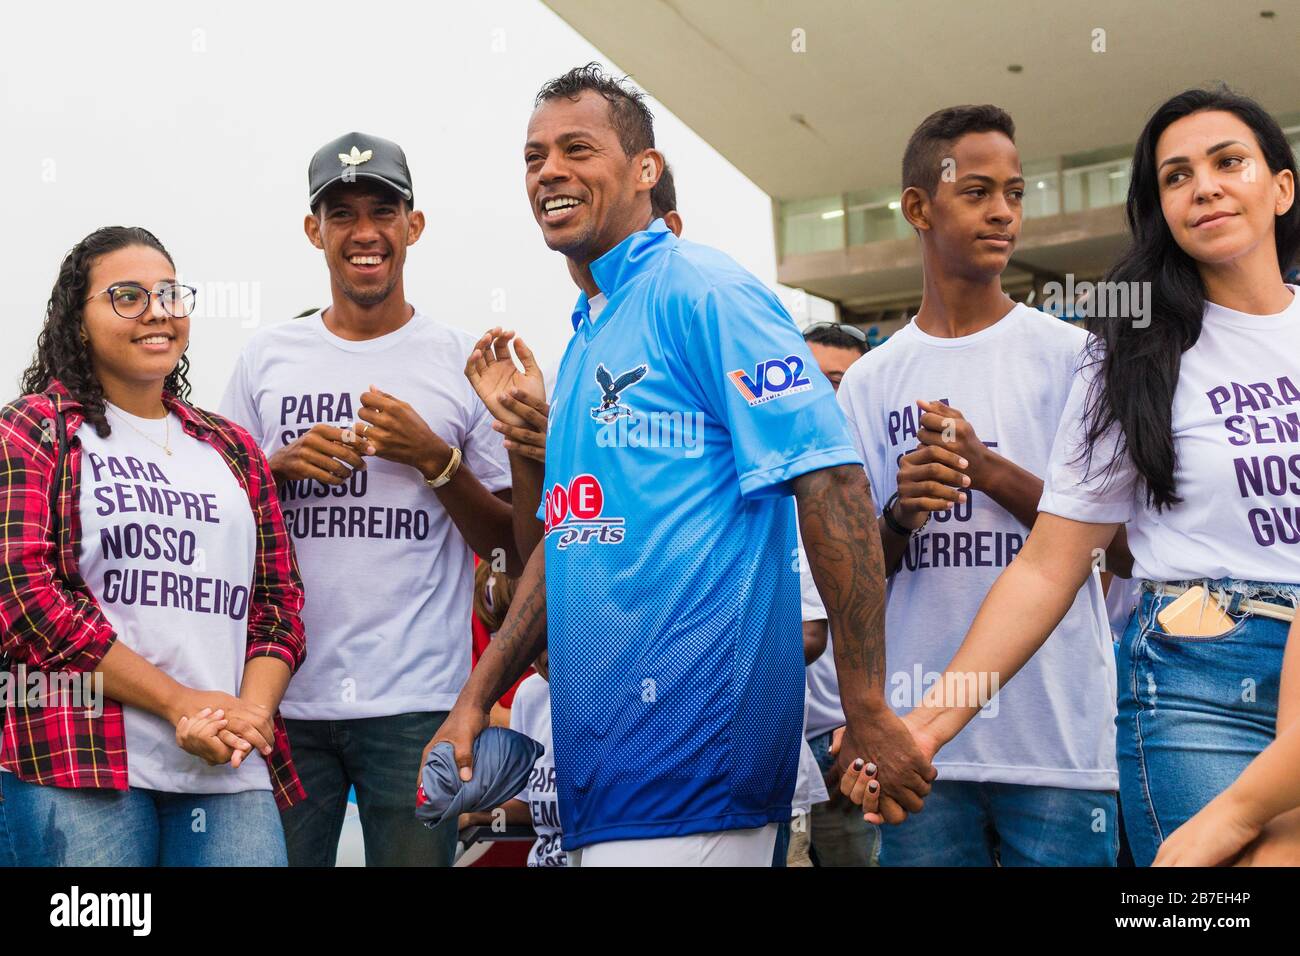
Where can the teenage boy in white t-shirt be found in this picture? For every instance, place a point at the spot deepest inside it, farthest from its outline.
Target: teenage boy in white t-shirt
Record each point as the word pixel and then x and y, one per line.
pixel 385 496
pixel 955 416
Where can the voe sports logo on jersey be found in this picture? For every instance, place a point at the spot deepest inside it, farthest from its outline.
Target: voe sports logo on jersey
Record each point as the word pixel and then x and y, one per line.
pixel 575 513
pixel 772 379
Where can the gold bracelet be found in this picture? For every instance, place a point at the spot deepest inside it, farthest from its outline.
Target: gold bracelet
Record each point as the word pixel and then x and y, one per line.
pixel 448 473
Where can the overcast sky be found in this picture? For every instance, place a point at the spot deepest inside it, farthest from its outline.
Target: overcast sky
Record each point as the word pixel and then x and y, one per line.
pixel 197 121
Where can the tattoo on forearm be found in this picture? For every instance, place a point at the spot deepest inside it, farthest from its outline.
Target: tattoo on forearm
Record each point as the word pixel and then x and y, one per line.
pixel 522 635
pixel 840 536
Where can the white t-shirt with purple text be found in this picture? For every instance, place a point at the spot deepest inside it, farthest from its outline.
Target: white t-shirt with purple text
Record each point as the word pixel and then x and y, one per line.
pixel 1054 725
pixel 388 578
pixel 168 547
pixel 1236 426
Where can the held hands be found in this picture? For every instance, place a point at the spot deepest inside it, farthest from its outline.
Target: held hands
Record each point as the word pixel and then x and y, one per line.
pixel 1222 835
pixel 224 729
pixel 388 427
pixel 506 391
pixel 885 762
pixel 198 736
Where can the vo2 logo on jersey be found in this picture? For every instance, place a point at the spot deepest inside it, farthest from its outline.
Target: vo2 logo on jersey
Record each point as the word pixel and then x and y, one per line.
pixel 575 514
pixel 773 379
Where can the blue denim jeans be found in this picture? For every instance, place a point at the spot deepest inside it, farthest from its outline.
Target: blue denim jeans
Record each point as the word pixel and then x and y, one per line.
pixel 58 826
pixel 380 756
pixel 983 824
pixel 839 835
pixel 1193 711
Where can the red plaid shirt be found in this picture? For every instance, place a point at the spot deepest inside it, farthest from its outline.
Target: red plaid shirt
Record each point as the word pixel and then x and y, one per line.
pixel 50 621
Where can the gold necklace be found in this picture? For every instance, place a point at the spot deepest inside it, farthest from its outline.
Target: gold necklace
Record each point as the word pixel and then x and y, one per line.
pixel 165 444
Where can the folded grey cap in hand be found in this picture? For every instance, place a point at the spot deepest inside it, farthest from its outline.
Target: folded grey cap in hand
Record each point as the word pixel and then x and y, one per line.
pixel 502 761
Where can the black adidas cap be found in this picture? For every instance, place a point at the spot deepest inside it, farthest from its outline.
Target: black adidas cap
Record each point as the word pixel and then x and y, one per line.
pixel 356 156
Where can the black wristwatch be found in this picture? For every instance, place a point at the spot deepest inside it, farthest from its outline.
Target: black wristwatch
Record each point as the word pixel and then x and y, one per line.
pixel 892 523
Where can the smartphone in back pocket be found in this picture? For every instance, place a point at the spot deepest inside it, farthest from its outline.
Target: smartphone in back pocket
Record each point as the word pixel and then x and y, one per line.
pixel 1195 615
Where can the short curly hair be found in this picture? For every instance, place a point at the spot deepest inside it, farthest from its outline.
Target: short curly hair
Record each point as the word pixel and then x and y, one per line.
pixel 632 120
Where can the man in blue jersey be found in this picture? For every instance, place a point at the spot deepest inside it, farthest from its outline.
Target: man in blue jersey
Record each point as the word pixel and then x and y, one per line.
pixel 686 413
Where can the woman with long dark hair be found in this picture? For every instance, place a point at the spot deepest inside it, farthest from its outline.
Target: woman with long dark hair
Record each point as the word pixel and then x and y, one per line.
pixel 149 598
pixel 1184 425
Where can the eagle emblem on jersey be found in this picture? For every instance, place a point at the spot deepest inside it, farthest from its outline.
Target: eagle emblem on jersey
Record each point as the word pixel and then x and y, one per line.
pixel 611 388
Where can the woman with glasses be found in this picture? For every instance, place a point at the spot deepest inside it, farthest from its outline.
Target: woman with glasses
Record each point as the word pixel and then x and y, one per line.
pixel 149 597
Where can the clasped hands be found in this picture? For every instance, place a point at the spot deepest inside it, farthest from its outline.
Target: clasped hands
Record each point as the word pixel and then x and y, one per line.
pixel 948 462
pixel 883 762
pixel 386 427
pixel 220 728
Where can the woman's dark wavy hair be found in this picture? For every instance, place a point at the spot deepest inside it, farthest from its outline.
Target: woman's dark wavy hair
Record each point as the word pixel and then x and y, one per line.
pixel 61 352
pixel 1138 367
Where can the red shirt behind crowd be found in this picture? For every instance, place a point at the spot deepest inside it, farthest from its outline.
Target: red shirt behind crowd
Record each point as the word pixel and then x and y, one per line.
pixel 481 640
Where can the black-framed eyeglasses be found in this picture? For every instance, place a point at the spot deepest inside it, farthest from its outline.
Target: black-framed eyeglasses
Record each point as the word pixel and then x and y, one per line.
pixel 130 300
pixel 851 330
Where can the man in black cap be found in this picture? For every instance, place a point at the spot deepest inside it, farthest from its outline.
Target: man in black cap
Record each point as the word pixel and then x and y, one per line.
pixel 389 474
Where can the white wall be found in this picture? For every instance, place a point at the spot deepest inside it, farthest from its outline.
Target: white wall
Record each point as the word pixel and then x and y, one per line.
pixel 197 122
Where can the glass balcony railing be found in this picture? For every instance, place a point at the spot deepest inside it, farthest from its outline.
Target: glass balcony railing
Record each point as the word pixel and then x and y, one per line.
pixel 813 225
pixel 871 221
pixel 1042 194
pixel 1052 187
pixel 1096 185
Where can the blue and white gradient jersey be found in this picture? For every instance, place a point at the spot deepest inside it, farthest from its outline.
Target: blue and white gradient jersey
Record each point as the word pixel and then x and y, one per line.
pixel 680 416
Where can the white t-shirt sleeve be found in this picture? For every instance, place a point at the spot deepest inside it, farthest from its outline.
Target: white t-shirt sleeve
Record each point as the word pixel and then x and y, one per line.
pixel 484 451
pixel 848 396
pixel 810 601
pixel 237 402
pixel 1080 486
pixel 845 397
